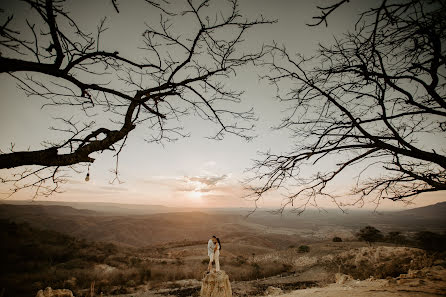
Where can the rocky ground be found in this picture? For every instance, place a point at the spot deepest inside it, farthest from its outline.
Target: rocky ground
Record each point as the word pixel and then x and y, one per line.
pixel 430 281
pixel 381 271
pixel 420 283
pixel 426 282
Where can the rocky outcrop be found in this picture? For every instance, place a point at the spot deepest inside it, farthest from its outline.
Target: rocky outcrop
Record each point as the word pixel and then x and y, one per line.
pixel 342 278
pixel 216 284
pixel 48 292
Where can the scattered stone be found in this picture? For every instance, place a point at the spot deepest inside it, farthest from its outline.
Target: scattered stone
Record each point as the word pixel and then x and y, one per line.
pixel 48 292
pixel 104 269
pixel 273 291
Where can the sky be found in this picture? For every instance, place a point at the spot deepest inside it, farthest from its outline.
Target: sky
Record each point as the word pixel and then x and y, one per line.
pixel 193 171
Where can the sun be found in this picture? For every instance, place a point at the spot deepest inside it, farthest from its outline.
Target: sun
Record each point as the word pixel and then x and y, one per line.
pixel 196 194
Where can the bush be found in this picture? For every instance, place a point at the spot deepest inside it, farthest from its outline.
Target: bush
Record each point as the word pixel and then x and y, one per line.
pixel 256 271
pixel 303 249
pixel 430 241
pixel 369 234
pixel 337 239
pixel 240 260
pixel 395 237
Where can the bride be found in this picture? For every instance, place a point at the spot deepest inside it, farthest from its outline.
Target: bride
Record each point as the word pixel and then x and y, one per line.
pixel 214 248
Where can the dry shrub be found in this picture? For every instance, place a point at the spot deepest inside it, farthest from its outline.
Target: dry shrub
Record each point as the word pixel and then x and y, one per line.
pixel 304 261
pixel 380 262
pixel 256 270
pixel 303 249
pixel 176 272
pixel 239 273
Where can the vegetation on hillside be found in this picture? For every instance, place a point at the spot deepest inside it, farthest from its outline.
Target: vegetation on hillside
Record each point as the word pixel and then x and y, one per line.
pixel 33 259
pixel 426 240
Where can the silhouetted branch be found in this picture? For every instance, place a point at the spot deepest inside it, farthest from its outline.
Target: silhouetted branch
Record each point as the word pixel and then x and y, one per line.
pixel 182 71
pixel 325 12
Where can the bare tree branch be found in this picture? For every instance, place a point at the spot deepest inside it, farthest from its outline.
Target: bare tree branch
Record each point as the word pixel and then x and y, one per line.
pixel 375 103
pixel 181 71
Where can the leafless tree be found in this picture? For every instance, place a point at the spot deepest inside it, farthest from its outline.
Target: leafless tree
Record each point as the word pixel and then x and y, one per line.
pixel 372 103
pixel 182 71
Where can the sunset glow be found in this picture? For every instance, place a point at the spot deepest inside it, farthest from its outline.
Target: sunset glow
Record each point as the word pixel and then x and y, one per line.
pixel 193 168
pixel 196 194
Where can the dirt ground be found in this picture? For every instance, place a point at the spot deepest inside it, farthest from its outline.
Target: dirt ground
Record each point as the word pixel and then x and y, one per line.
pixel 427 282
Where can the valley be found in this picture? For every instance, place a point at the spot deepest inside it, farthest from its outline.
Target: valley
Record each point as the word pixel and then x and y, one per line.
pixel 147 254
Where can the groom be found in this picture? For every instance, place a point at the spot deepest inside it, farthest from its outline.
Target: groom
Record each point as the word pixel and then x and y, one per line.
pixel 212 245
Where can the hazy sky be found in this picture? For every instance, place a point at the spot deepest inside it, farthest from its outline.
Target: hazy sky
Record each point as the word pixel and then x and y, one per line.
pixel 193 171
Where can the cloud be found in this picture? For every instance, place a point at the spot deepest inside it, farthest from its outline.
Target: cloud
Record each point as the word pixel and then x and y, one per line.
pixel 212 189
pixel 208 180
pixel 204 184
pixel 204 190
pixel 201 183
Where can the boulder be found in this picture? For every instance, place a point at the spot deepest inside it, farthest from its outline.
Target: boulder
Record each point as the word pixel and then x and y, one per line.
pixel 48 292
pixel 273 291
pixel 216 284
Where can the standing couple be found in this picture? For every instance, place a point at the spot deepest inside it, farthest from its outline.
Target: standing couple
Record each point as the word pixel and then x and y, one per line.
pixel 214 248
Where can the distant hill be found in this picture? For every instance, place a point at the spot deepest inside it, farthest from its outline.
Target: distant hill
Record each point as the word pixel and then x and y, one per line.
pixel 429 218
pixel 103 207
pixel 11 210
pixel 437 210
pixel 131 230
pixel 124 225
